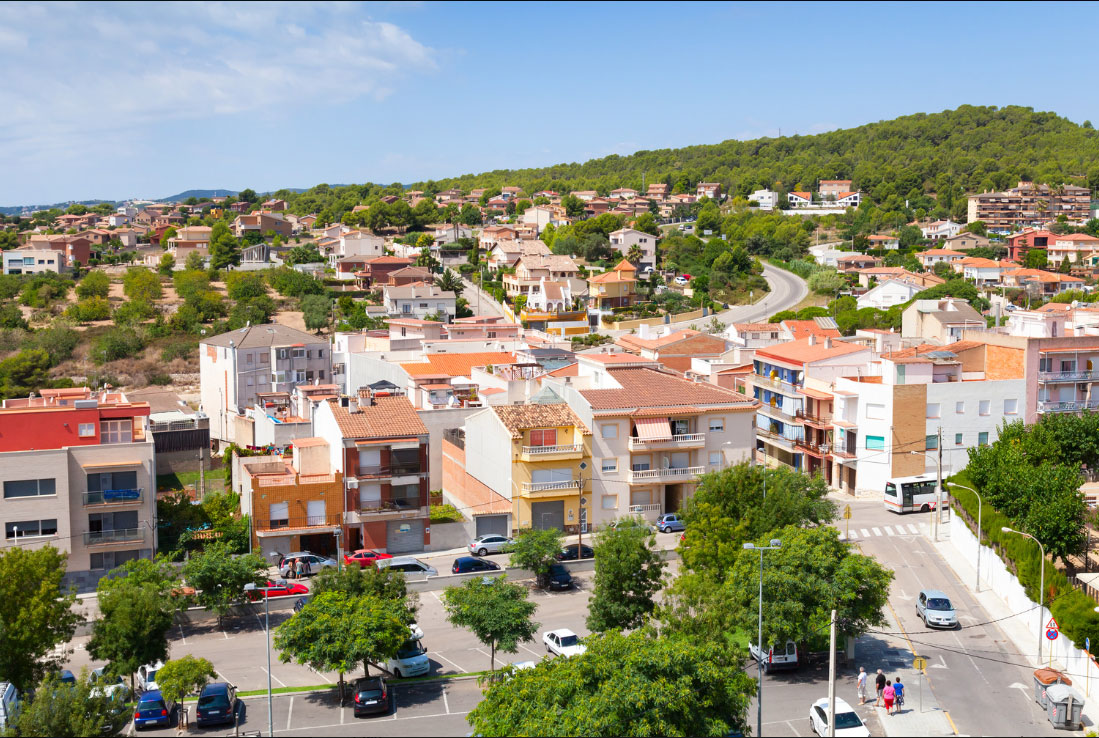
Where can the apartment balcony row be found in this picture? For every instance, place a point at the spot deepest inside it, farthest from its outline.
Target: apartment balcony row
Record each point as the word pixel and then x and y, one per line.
pixel 776 438
pixel 762 380
pixel 393 470
pixel 816 449
pixel 772 411
pixel 297 524
pixel 822 421
pixel 681 440
pixel 1081 376
pixel 1068 407
pixel 114 497
pixel 666 475
pixel 550 489
pixel 548 453
pixel 97 538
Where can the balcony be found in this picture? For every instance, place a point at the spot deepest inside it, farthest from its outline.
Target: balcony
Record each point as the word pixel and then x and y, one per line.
pixel 776 438
pixel 551 489
pixel 682 440
pixel 1067 407
pixel 667 474
pixel 393 470
pixel 547 453
pixel 773 412
pixel 111 497
pixel 1084 376
pixel 108 537
pixel 297 524
pixel 822 421
pixel 816 449
pixel 766 381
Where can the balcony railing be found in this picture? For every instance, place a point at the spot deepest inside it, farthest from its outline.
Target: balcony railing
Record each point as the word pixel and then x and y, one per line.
pixel 1083 376
pixel 772 411
pixel 1067 407
pixel 820 449
pixel 114 497
pixel 681 440
pixel 384 504
pixel 811 418
pixel 327 520
pixel 561 485
pixel 765 380
pixel 393 470
pixel 668 474
pixel 573 448
pixel 122 535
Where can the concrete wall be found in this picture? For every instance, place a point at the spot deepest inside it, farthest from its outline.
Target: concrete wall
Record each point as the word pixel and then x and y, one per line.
pixel 489 452
pixel 445 536
pixel 437 421
pixel 172 462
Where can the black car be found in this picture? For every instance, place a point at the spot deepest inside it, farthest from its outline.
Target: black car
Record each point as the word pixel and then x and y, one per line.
pixel 575 551
pixel 466 564
pixel 217 704
pixel 371 696
pixel 558 577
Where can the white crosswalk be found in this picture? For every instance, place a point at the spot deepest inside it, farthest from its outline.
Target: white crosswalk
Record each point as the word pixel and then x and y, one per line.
pixel 900 529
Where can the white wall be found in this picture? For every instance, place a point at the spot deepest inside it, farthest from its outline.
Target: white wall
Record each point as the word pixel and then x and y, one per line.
pixel 488 451
pixel 971 422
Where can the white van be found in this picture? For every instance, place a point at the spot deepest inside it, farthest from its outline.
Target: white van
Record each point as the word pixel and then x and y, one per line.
pixel 776 658
pixel 410 661
pixel 9 705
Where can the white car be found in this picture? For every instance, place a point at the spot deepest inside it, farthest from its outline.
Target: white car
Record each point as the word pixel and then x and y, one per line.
pixel 146 677
pixel 108 686
pixel 681 280
pixel 848 722
pixel 410 661
pixel 490 544
pixel 563 642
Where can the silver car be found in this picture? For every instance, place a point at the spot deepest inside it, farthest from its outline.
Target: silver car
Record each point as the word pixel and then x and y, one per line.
pixel 409 565
pixel 489 544
pixel 936 609
pixel 315 562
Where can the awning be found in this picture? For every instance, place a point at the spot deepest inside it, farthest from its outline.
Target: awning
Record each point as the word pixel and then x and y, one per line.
pixel 111 465
pixel 816 394
pixel 653 429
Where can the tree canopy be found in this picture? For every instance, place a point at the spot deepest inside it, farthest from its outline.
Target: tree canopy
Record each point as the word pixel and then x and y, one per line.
pixel 628 574
pixel 495 610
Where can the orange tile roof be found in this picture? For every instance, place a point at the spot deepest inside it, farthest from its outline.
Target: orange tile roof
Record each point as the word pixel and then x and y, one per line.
pixel 388 417
pixel 569 370
pixel 804 328
pixel 456 365
pixel 633 342
pixel 643 387
pixel 518 418
pixel 803 352
pixel 806 195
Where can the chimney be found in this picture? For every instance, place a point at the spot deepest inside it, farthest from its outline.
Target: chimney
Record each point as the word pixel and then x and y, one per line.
pixel 827 342
pixel 812 339
pixel 353 404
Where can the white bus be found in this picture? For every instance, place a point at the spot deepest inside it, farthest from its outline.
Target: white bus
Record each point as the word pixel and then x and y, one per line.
pixel 910 494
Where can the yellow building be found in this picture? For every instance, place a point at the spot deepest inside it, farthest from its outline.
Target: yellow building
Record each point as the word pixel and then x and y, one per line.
pixel 538 456
pixel 616 288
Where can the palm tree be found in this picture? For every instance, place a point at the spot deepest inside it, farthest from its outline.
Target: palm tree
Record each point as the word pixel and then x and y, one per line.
pixel 450 283
pixel 635 255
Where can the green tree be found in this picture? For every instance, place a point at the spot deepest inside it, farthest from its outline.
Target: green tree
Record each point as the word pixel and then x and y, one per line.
pixel 646 223
pixel 354 580
pixel 910 236
pixel 89 309
pixel 94 284
pixel 141 285
pixel 450 282
pixel 629 572
pixel 496 611
pixel 303 255
pixel 33 618
pixel 119 342
pixel 1035 259
pixel 61 710
pixel 168 235
pixel 12 317
pixel 827 283
pixel 167 264
pixel 195 262
pixel 224 248
pixel 184 676
pixel 219 576
pixel 245 285
pixel 709 219
pixel 625 685
pixel 247 195
pixel 59 341
pixel 535 551
pixel 315 311
pixel 942 269
pixel 574 206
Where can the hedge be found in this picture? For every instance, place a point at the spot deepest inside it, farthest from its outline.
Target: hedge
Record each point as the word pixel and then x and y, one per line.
pixel 1073 609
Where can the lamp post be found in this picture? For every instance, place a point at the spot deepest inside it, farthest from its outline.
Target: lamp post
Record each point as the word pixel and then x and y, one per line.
pixel 775 544
pixel 1041 585
pixel 251 587
pixel 979 505
pixel 938 486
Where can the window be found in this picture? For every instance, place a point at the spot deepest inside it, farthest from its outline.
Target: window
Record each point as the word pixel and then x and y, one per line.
pixel 610 430
pixel 931 442
pixel 248 359
pixel 717 425
pixel 112 480
pixel 933 410
pixel 959 407
pixel 264 359
pixel 900 374
pixel 250 381
pixel 875 412
pixel 298 354
pixel 320 353
pixel 982 438
pixel 875 443
pixel 86 430
pixel 1011 407
pixel 1045 364
pixel 283 353
pixel 111 559
pixel 715 458
pixel 610 466
pixel 29 488
pixel 320 374
pixel 957 439
pixel 116 431
pixel 543 437
pixel 280 514
pixel 610 502
pixel 985 407
pixel 30 528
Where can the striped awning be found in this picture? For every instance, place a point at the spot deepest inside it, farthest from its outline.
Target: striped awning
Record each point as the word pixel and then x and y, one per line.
pixel 653 429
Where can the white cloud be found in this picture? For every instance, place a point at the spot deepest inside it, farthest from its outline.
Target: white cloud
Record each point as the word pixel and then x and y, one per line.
pixel 83 75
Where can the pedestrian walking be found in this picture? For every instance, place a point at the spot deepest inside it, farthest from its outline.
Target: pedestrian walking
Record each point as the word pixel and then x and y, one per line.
pixel 307 568
pixel 297 568
pixel 898 691
pixel 879 682
pixel 861 682
pixel 888 695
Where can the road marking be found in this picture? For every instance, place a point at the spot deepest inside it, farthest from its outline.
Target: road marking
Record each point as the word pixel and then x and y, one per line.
pixel 322 676
pixel 877 531
pixel 914 529
pixel 183 636
pixel 889 530
pixel 530 651
pixel 436 597
pixel 943 665
pixel 343 712
pixel 865 533
pixel 281 683
pixel 853 535
pixel 483 653
pixel 445 703
pixel 227 636
pixel 320 728
pixel 444 658
pixel 290 712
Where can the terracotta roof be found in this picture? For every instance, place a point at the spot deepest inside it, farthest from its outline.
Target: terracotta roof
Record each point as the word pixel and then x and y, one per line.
pixel 805 195
pixel 518 418
pixel 388 417
pixel 756 326
pixel 940 252
pixel 1075 237
pixel 877 237
pixel 268 334
pixel 644 387
pixel 805 328
pixel 569 370
pixel 456 365
pixel 309 442
pixel 633 342
pixel 389 260
pixel 802 352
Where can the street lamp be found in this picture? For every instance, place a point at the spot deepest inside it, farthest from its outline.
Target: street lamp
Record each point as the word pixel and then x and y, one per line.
pixel 1041 585
pixel 775 544
pixel 251 587
pixel 962 486
pixel 938 489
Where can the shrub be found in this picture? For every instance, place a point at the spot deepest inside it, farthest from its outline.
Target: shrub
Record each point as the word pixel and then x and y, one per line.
pixel 180 350
pixel 89 309
pixel 117 343
pixel 94 284
pixel 159 379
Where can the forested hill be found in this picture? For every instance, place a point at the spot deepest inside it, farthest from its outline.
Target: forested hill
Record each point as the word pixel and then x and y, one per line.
pixel 970 149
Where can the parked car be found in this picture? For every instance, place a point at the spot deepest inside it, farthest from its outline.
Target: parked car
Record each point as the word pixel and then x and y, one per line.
pixel 411 660
pixel 279 588
pixel 575 551
pixel 563 642
pixel 484 545
pixel 364 557
pixel 67 677
pixel 558 577
pixel 466 564
pixel 935 609
pixel 153 710
pixel 10 705
pixel 670 522
pixel 780 657
pixel 848 722
pixel 105 684
pixel 407 564
pixel 371 696
pixel 146 677
pixel 314 562
pixel 217 704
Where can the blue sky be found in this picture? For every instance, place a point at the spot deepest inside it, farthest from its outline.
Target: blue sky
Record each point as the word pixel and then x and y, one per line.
pixel 148 99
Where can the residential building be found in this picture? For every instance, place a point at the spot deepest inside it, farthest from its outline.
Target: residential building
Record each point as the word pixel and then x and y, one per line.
pixel 380 446
pixel 675 350
pixel 923 279
pixel 541 216
pixel 658 191
pixel 261 223
pixel 939 321
pixel 530 270
pixel 834 187
pixel 891 243
pixel 236 367
pixel 984 272
pixel 794 330
pixel 799 199
pixel 409 275
pixel 852 263
pixel 940 230
pixel 614 288
pixel 1028 204
pixel 78 472
pixel 888 293
pixel 419 300
pixel 1041 282
pixel 964 242
pixel 1019 243
pixel 625 238
pixel 507 252
pixel 623 193
pixel 493 234
pixel 363 244
pixel 549 297
pixel 931 257
pixel 449 232
pixel 378 269
pixel 1075 247
pixel 765 198
pixel 755 335
pixel 711 190
pixel 31 260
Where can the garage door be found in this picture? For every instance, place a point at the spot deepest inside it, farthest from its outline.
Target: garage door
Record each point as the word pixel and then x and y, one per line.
pixel 404 536
pixel 546 515
pixel 493 525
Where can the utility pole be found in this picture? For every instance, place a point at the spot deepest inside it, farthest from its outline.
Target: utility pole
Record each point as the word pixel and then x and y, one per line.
pixel 832 679
pixel 939 485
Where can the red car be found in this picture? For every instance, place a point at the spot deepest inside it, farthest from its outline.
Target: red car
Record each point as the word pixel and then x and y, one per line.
pixel 364 557
pixel 279 588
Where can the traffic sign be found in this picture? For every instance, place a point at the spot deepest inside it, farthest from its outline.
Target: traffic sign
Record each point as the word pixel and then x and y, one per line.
pixel 1052 625
pixel 1051 634
pixel 847 512
pixel 919 663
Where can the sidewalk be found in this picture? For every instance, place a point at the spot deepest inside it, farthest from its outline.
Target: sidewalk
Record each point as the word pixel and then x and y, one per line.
pixel 921 714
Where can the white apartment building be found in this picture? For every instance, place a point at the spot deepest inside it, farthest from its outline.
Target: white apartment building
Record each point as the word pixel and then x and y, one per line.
pixel 26 260
pixel 624 238
pixel 888 293
pixel 767 199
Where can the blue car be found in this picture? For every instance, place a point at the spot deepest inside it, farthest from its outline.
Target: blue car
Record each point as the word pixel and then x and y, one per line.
pixel 153 710
pixel 670 522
